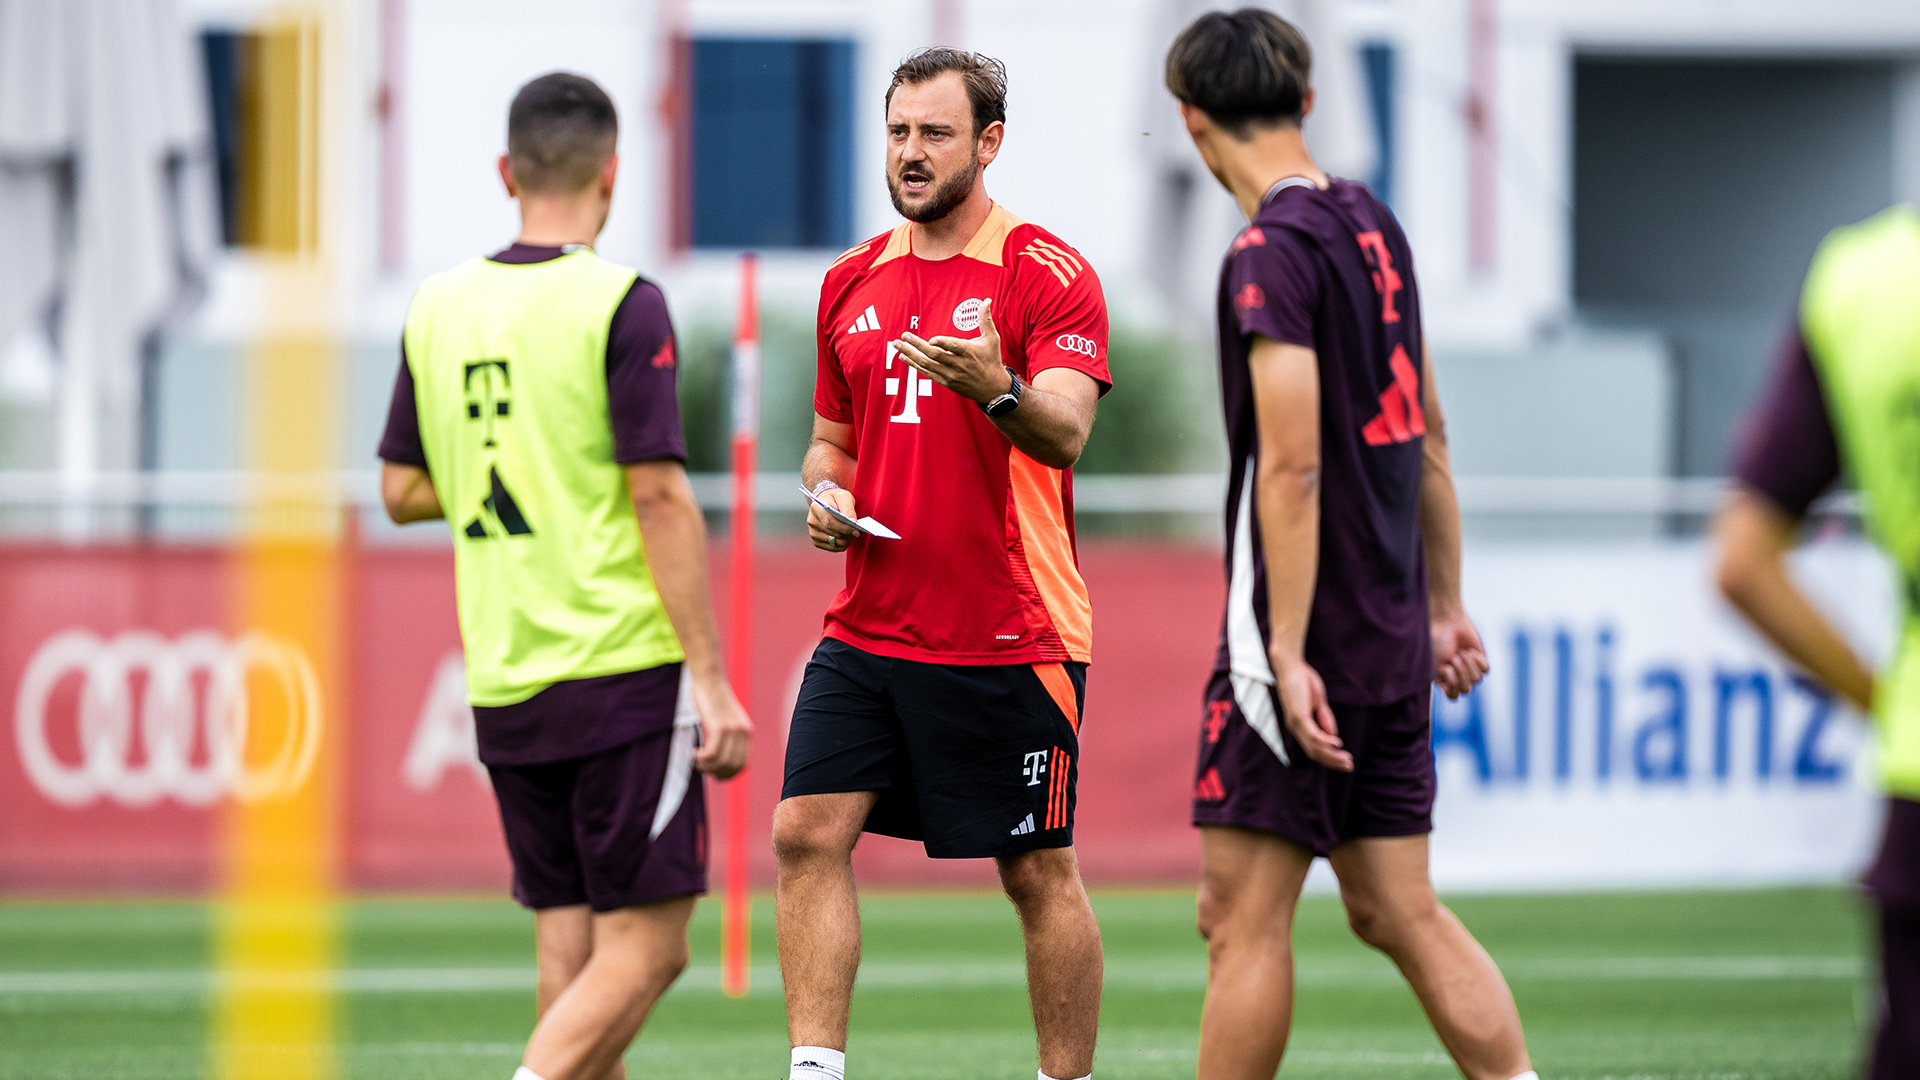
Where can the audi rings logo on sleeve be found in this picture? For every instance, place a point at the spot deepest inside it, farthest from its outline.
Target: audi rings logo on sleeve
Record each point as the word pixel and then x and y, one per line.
pixel 193 714
pixel 1074 343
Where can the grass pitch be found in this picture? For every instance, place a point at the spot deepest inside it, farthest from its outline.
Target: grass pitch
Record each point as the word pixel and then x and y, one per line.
pixel 1662 986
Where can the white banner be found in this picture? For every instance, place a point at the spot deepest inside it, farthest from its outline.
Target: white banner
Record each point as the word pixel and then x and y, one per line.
pixel 1634 731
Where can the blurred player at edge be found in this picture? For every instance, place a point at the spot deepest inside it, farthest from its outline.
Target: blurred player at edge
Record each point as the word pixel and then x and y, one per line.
pixel 1843 394
pixel 1343 597
pixel 536 410
pixel 960 360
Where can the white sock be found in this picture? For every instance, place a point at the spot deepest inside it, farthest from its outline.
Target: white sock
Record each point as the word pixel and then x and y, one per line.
pixel 818 1063
pixel 1089 1076
pixel 524 1073
pixel 1528 1075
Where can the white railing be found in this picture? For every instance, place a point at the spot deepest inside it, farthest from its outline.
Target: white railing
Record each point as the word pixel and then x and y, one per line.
pixel 1183 493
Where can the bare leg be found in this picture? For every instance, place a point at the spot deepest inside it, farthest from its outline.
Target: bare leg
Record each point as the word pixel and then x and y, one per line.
pixel 635 955
pixel 1392 907
pixel 564 941
pixel 1064 964
pixel 1249 888
pixel 817 912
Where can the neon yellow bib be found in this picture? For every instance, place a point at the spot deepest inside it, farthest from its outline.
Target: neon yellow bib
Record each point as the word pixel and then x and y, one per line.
pixel 509 376
pixel 1860 312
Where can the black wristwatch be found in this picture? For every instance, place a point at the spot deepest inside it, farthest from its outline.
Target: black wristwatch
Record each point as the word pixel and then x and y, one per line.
pixel 1006 402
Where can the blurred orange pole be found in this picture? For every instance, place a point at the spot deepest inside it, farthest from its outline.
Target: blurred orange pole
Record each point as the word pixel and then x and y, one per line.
pixel 736 920
pixel 276 942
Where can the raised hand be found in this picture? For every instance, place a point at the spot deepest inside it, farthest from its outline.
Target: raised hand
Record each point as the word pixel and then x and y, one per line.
pixel 971 368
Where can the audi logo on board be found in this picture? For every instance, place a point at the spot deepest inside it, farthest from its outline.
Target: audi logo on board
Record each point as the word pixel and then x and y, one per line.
pixel 1086 347
pixel 192 710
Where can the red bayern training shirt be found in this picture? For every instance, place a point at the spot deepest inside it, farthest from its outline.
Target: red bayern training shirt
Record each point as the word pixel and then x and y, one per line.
pixel 985 571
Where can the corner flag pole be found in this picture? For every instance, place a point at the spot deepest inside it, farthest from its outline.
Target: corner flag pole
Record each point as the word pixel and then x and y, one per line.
pixel 736 918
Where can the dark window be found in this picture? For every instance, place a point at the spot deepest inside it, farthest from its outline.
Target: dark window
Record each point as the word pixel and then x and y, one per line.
pixel 264 134
pixel 772 143
pixel 225 54
pixel 1377 60
pixel 1693 217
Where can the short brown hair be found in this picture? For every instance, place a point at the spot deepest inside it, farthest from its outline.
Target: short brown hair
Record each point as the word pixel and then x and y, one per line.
pixel 560 129
pixel 1245 69
pixel 986 80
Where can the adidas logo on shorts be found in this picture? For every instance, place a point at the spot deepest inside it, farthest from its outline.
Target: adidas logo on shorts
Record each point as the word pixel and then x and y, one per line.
pixel 1023 828
pixel 1209 788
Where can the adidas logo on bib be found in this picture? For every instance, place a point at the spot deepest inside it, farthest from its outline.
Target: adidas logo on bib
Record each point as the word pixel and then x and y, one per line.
pixel 1023 828
pixel 868 320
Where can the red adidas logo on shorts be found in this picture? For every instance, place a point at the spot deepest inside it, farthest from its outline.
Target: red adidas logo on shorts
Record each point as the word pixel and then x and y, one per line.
pixel 1209 789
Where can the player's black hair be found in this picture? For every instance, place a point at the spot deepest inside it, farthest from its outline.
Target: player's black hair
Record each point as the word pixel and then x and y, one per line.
pixel 1244 70
pixel 986 80
pixel 560 129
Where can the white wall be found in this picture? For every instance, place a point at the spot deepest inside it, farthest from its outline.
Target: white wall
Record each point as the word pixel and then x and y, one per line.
pixel 464 60
pixel 1084 103
pixel 1087 123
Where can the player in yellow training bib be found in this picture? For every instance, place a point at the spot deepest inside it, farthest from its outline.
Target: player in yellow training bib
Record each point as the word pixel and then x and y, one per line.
pixel 536 411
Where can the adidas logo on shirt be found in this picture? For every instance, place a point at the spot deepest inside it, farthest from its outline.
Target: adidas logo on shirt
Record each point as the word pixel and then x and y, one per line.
pixel 868 320
pixel 1401 419
pixel 1023 828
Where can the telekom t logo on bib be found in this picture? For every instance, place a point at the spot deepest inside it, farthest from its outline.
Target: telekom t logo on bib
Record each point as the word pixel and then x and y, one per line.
pixel 918 386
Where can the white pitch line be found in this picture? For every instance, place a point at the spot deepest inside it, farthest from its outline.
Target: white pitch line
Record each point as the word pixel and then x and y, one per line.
pixel 440 1049
pixel 352 980
pixel 1173 974
pixel 1306 1057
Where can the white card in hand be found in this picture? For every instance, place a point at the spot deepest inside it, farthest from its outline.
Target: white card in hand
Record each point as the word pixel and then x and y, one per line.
pixel 866 524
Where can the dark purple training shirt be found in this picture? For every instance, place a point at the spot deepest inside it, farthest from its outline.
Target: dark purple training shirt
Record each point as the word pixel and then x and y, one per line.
pixel 578 717
pixel 1786 450
pixel 1330 270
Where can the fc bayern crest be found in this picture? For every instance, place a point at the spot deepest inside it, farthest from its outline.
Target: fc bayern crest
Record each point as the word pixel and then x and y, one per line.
pixel 967 315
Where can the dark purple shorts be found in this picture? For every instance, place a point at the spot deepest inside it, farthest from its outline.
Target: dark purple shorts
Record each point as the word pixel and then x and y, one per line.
pixel 623 827
pixel 1894 885
pixel 1242 782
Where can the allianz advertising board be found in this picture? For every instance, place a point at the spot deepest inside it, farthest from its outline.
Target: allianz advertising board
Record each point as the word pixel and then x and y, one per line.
pixel 1634 731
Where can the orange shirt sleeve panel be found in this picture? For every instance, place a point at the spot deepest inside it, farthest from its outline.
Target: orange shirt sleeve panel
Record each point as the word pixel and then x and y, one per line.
pixel 1046 539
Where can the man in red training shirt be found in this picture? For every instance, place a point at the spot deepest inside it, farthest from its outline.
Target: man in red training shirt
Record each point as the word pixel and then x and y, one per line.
pixel 961 356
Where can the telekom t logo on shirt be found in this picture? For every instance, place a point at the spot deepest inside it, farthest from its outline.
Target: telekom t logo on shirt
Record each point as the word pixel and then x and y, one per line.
pixel 1386 280
pixel 918 386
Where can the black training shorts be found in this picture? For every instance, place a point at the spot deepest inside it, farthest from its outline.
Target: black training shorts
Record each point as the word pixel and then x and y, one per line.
pixel 620 828
pixel 975 760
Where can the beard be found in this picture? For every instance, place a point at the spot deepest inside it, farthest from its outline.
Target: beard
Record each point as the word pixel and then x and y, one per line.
pixel 943 198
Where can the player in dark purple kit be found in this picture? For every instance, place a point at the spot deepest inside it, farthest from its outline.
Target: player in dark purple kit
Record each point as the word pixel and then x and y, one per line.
pixel 1343 560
